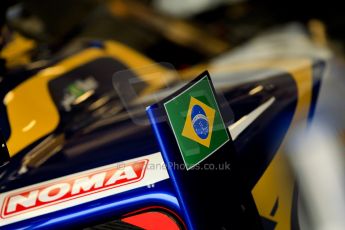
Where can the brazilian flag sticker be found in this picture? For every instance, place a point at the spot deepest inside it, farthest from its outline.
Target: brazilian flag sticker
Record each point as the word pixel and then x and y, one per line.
pixel 196 122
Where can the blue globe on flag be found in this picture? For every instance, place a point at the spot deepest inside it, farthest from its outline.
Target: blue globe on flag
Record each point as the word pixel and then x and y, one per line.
pixel 200 122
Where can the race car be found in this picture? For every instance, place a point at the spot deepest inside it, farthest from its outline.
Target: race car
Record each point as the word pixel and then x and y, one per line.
pixel 77 144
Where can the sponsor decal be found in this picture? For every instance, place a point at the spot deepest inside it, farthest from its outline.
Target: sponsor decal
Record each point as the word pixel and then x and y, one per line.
pixel 75 187
pixel 196 121
pixel 78 91
pixel 80 188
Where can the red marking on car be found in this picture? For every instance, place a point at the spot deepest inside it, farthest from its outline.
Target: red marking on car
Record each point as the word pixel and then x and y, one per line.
pixel 71 188
pixel 152 220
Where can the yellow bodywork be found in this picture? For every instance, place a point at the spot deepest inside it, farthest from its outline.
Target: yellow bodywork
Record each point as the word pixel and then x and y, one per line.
pixel 17 51
pixel 30 108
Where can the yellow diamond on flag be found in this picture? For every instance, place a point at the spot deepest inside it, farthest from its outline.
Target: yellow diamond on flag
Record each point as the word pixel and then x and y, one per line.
pixel 199 122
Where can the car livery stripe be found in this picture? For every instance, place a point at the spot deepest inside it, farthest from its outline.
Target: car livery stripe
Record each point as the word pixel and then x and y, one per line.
pixel 79 188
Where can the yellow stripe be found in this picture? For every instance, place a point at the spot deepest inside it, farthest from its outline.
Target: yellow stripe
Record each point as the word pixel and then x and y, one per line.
pixel 30 109
pixel 277 181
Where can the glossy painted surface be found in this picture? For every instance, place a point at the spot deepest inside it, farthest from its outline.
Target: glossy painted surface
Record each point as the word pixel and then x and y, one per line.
pixel 92 136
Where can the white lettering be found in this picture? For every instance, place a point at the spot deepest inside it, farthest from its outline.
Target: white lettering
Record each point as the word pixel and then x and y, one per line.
pixel 86 183
pixel 26 202
pixel 123 173
pixel 62 189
